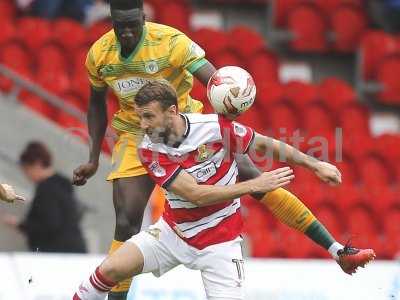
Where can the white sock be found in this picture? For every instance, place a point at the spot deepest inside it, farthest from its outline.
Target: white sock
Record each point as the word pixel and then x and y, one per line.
pixel 94 288
pixel 333 249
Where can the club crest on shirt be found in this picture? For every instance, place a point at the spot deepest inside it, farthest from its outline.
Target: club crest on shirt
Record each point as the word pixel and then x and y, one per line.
pixel 239 129
pixel 156 169
pixel 204 153
pixel 155 232
pixel 151 67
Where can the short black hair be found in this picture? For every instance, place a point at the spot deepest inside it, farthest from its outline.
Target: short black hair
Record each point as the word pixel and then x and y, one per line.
pixel 35 152
pixel 126 4
pixel 157 90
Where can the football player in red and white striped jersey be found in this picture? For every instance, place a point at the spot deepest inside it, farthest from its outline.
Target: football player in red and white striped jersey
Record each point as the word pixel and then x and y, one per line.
pixel 192 157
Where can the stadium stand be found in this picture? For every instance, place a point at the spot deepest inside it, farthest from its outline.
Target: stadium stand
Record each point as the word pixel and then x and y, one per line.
pixel 371 171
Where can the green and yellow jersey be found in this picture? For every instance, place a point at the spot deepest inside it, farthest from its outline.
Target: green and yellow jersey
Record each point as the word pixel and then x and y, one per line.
pixel 162 53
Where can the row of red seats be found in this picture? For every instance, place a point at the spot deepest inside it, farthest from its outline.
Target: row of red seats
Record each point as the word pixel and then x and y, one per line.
pixel 379 57
pixel 268 237
pixel 330 104
pixel 332 25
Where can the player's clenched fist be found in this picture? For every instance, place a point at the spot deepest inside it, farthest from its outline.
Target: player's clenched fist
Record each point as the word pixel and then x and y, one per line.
pixel 83 173
pixel 328 173
pixel 8 194
pixel 269 181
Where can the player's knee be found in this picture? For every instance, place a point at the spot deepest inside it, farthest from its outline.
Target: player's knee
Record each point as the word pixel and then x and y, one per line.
pixel 126 226
pixel 111 271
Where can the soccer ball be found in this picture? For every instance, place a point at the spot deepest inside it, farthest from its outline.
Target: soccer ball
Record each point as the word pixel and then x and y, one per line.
pixel 231 90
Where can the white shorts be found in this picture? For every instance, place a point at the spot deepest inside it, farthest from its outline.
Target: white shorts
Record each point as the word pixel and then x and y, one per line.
pixel 221 265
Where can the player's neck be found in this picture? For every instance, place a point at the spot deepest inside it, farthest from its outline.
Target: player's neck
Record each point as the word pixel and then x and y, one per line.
pixel 126 51
pixel 178 130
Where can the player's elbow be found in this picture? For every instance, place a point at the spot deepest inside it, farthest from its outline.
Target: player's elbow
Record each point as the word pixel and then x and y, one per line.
pixel 197 198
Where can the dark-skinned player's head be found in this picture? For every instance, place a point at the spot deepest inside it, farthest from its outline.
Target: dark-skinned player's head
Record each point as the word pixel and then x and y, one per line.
pixel 128 20
pixel 156 104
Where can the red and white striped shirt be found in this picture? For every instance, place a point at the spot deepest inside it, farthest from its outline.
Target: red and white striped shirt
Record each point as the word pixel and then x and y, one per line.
pixel 206 153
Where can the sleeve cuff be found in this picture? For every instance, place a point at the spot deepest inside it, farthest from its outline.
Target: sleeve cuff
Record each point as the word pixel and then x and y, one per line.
pixel 250 142
pixel 192 68
pixel 98 88
pixel 168 182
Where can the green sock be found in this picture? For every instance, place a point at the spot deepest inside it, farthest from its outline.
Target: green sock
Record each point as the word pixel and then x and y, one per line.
pixel 319 234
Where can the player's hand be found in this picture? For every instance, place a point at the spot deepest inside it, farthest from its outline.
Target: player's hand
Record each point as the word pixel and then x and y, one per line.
pixel 328 173
pixel 83 173
pixel 8 194
pixel 269 181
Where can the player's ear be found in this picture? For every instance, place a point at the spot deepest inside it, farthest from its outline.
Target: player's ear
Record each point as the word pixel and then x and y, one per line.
pixel 173 109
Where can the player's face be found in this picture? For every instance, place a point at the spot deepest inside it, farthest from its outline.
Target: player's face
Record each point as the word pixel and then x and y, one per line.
pixel 128 26
pixel 155 121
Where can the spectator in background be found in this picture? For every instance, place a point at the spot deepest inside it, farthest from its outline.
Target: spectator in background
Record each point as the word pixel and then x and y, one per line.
pixel 51 9
pixel 52 223
pixel 386 14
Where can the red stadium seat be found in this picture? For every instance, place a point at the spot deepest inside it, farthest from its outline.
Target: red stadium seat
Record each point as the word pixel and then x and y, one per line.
pixel 347 195
pixel 253 119
pixel 336 93
pixel 387 75
pixel 55 81
pixel 327 6
pixel 295 244
pixel 283 120
pixel 317 120
pixel 176 15
pixel 71 123
pixel 214 41
pixel 80 86
pixel 268 92
pixel 329 216
pixel 39 105
pixel 348 171
pixel 308 36
pixel 360 222
pixel 78 61
pixel 380 198
pixel 14 56
pixel 226 58
pixel 17 59
pixel 391 223
pixel 199 92
pixel 63 29
pixel 8 9
pixel 264 67
pixel 75 101
pixel 348 24
pixel 96 30
pixel 388 145
pixel 34 32
pixel 354 120
pixel 51 58
pixel 246 41
pixel 281 8
pixel 373 171
pixel 375 45
pixel 8 31
pixel 300 93
pixel 262 243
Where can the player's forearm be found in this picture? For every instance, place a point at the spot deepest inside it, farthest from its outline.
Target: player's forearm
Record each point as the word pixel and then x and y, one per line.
pixel 205 195
pixel 285 152
pixel 97 125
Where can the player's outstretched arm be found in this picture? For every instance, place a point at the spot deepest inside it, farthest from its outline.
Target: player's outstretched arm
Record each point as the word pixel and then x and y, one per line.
pixel 97 125
pixel 185 186
pixel 8 194
pixel 282 151
pixel 204 73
